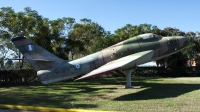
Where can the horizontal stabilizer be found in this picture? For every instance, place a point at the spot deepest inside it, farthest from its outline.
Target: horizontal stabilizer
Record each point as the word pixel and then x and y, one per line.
pixel 41 60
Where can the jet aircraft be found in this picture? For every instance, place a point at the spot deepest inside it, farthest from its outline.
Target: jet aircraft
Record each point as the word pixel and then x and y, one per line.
pixel 123 56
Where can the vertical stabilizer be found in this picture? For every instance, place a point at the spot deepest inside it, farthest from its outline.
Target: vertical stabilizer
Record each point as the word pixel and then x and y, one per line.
pixel 37 56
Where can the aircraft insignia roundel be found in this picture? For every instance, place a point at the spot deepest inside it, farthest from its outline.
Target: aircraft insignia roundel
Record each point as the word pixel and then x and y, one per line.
pixel 78 66
pixel 29 47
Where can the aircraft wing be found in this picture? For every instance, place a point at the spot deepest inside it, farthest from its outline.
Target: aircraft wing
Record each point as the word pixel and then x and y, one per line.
pixel 128 62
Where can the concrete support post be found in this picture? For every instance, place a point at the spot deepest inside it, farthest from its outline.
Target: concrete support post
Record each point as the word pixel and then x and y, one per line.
pixel 128 78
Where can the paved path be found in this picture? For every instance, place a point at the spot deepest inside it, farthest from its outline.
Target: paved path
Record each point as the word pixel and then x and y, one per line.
pixel 10 110
pixel 20 108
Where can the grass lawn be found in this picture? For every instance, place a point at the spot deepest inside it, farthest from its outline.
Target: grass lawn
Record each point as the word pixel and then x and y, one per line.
pixel 148 94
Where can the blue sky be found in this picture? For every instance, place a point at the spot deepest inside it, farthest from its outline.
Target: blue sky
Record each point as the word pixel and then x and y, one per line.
pixel 114 14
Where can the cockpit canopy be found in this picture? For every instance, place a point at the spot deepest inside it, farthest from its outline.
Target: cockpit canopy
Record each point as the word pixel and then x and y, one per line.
pixel 149 35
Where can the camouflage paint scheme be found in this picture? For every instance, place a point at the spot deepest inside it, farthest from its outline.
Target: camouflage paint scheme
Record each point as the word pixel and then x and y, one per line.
pixel 125 55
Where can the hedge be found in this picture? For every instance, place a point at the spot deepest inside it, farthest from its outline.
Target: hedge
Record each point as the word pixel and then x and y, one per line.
pixel 17 76
pixel 30 76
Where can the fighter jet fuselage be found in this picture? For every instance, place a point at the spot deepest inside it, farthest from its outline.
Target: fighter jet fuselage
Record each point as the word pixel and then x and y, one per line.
pixel 125 55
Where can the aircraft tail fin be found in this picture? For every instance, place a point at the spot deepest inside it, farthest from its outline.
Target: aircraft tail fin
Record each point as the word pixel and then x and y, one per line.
pixel 37 56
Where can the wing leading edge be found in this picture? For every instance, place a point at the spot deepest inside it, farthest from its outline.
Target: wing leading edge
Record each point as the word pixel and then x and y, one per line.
pixel 128 62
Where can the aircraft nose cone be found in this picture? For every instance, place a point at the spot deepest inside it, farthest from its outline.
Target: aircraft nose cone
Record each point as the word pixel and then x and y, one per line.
pixel 184 41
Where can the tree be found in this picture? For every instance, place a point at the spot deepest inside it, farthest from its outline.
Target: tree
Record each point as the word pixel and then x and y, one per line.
pixel 5 47
pixel 16 65
pixel 8 64
pixel 48 34
pixel 129 31
pixel 84 37
pixel 64 36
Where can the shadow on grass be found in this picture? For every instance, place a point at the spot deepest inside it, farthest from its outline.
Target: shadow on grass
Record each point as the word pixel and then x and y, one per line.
pixel 58 101
pixel 61 94
pixel 85 105
pixel 55 95
pixel 159 91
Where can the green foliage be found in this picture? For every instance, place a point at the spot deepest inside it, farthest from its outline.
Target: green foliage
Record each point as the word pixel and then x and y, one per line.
pixel 26 66
pixel 176 71
pixel 68 39
pixel 188 51
pixel 8 64
pixel 30 24
pixel 84 38
pixel 17 76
